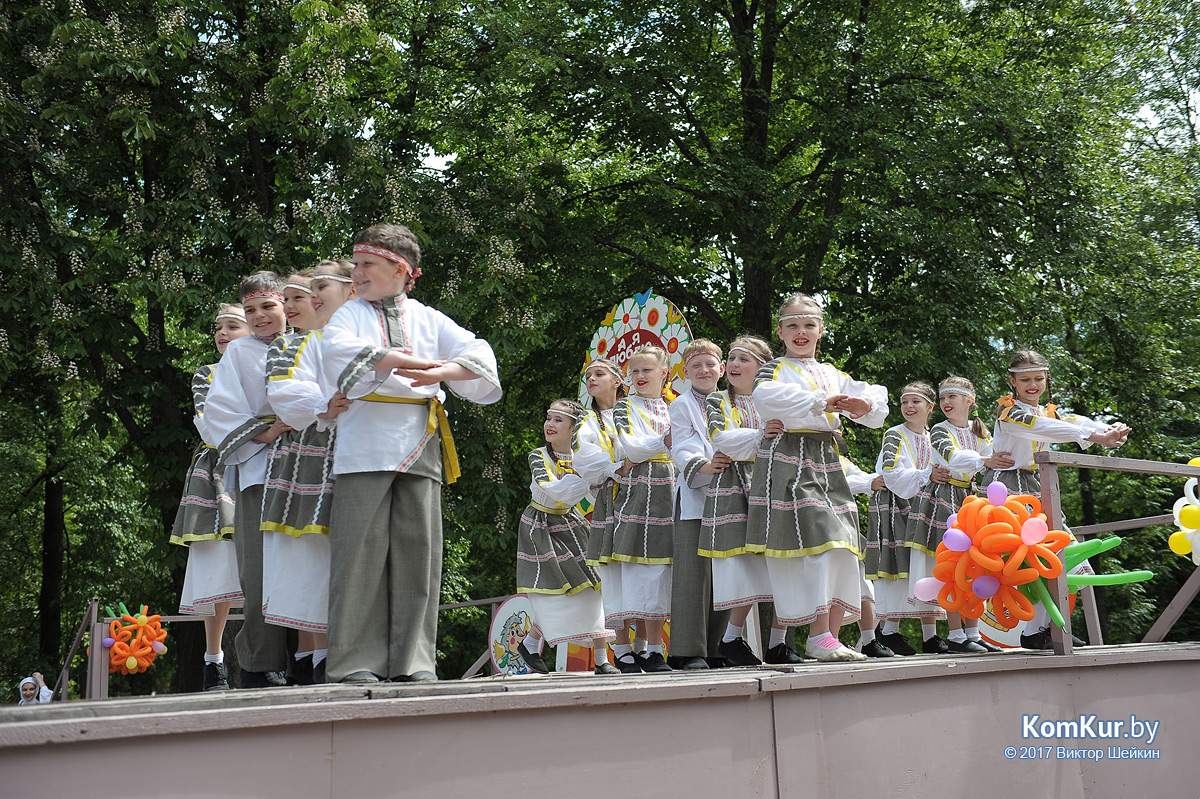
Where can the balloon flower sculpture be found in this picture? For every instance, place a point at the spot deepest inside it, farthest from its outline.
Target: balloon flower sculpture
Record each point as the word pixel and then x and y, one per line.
pixel 1186 540
pixel 1001 550
pixel 133 641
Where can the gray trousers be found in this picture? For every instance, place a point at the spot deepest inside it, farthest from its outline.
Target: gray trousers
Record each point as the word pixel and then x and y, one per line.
pixel 260 646
pixel 696 628
pixel 385 548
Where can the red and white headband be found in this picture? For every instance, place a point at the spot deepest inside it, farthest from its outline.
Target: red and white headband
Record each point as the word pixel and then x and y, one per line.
pixel 258 295
pixel 414 272
pixel 697 354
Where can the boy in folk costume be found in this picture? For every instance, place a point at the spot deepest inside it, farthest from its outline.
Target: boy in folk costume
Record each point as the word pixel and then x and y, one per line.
pixel 242 427
pixel 388 353
pixel 695 627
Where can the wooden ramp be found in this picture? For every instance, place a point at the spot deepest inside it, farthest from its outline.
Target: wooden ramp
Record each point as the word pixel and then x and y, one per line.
pixel 915 727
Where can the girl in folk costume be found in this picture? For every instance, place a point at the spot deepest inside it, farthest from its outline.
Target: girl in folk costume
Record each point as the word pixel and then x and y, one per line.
pixel 962 447
pixel 900 553
pixel 597 458
pixel 204 522
pixel 563 591
pixel 861 482
pixel 739 576
pixel 241 425
pixel 802 515
pixel 639 587
pixel 299 492
pixel 696 627
pixel 1024 427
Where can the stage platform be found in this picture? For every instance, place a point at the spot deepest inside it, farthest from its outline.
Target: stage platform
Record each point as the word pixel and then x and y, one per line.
pixel 926 726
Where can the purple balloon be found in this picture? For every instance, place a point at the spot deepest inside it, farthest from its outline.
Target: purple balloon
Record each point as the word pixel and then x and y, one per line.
pixel 956 540
pixel 108 642
pixel 984 586
pixel 926 589
pixel 950 520
pixel 159 647
pixel 997 494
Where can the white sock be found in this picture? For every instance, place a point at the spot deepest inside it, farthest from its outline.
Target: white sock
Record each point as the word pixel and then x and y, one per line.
pixel 319 655
pixel 302 655
pixel 778 635
pixel 600 652
pixel 958 636
pixel 217 658
pixel 972 634
pixel 1039 622
pixel 928 630
pixel 824 640
pixel 654 648
pixel 621 650
pixel 639 644
pixel 891 627
pixel 732 632
pixel 866 636
pixel 533 643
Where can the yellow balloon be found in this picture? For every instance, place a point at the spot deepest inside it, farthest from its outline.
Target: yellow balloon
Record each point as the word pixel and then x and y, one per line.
pixel 1179 543
pixel 1194 462
pixel 1189 517
pixel 131 663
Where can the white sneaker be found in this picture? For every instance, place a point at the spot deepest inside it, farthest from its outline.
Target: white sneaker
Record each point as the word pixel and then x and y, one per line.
pixel 839 653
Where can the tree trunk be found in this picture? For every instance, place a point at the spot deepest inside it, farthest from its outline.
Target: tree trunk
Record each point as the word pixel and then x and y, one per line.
pixel 54 531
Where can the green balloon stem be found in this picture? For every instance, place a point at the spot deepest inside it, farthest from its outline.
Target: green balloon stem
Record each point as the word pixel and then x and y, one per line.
pixel 108 611
pixel 124 610
pixel 1109 579
pixel 1048 602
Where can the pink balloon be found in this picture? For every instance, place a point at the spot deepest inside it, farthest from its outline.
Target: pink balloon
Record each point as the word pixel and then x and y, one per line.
pixel 159 647
pixel 1034 531
pixel 984 586
pixel 950 520
pixel 926 589
pixel 997 494
pixel 956 540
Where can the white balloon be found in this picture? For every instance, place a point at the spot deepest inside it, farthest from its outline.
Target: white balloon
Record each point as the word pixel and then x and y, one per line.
pixel 1189 491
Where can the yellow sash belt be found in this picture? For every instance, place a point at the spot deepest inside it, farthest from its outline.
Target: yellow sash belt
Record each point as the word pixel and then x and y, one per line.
pixel 661 458
pixel 438 421
pixel 960 483
pixel 551 511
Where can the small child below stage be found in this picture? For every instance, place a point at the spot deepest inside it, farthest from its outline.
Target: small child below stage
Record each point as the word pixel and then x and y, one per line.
pixel 241 425
pixel 696 627
pixel 299 493
pixel 740 576
pixel 802 515
pixel 1023 428
pixel 637 586
pixel 204 522
pixel 563 591
pixel 389 353
pixel 899 553
pixel 961 446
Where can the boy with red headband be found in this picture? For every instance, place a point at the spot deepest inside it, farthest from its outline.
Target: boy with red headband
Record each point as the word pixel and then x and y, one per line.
pixel 389 353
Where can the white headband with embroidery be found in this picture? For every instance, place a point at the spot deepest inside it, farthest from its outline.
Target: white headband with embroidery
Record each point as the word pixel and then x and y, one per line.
pixel 300 286
pixel 751 353
pixel 955 390
pixel 818 316
pixel 915 394
pixel 1016 370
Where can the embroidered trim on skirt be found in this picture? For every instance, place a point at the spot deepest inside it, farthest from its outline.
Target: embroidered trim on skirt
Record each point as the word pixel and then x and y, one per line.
pixel 740 580
pixel 550 554
pixel 211 577
pixel 804 588
pixel 888 543
pixel 799 502
pixel 600 537
pixel 932 506
pixel 644 514
pixel 723 527
pixel 570 617
pixel 298 494
pixel 296 581
pixel 635 591
pixel 206 508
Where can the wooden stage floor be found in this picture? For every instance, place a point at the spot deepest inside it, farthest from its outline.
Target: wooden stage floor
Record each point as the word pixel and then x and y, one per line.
pixel 927 726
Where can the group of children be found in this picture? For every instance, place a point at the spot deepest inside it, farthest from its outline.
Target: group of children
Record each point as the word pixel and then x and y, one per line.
pixel 707 503
pixel 327 380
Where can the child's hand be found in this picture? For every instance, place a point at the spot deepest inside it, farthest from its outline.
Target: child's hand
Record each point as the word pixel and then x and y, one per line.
pixel 939 474
pixel 878 484
pixel 1112 437
pixel 395 359
pixel 432 375
pixel 854 407
pixel 667 439
pixel 277 428
pixel 626 467
pixel 774 428
pixel 337 404
pixel 999 460
pixel 719 463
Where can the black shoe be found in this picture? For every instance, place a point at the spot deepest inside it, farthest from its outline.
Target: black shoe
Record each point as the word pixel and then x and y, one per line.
pixel 738 653
pixel 877 649
pixel 302 671
pixel 653 662
pixel 607 668
pixel 628 664
pixel 1039 640
pixel 967 647
pixel 684 663
pixel 897 643
pixel 935 646
pixel 215 677
pixel 1077 641
pixel 716 663
pixel 319 673
pixel 359 677
pixel 276 679
pixel 253 679
pixel 534 661
pixel 988 646
pixel 782 655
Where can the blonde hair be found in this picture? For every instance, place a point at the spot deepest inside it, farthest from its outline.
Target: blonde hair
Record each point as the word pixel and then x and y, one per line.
pixel 330 266
pixel 660 358
pixel 700 346
pixel 755 345
pixel 977 425
pixel 229 308
pixel 799 300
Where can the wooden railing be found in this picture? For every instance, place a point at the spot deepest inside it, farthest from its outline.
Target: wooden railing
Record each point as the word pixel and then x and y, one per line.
pixel 1048 464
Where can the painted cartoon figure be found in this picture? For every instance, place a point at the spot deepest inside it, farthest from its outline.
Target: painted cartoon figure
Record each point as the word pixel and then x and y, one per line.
pixel 516 627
